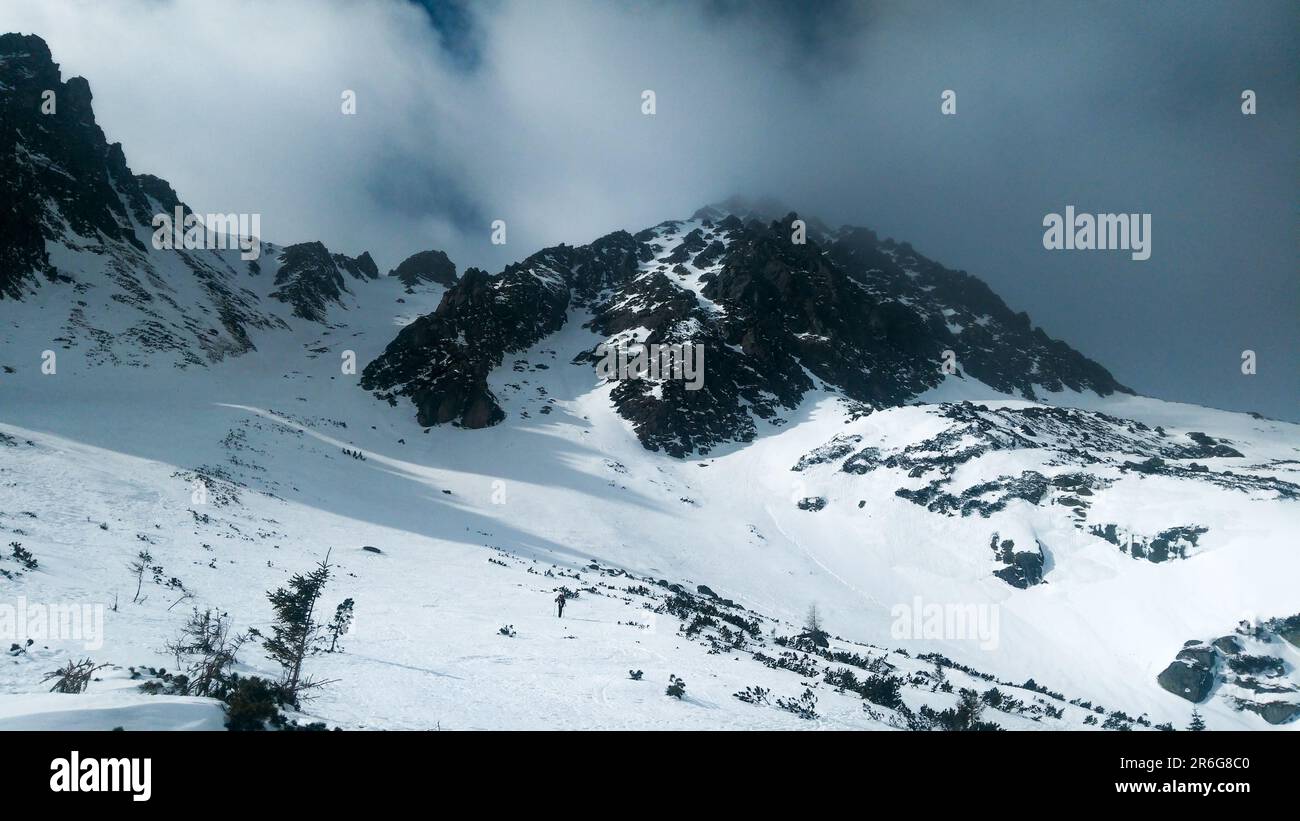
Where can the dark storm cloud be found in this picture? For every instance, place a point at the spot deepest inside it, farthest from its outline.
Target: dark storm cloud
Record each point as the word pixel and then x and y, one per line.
pixel 814 37
pixel 421 186
pixel 454 23
pixel 530 112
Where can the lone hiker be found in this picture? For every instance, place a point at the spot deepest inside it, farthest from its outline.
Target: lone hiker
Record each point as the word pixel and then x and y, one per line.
pixel 559 603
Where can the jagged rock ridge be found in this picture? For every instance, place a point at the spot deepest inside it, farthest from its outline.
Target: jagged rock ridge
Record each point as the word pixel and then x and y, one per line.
pixel 870 320
pixel 75 216
pixel 310 277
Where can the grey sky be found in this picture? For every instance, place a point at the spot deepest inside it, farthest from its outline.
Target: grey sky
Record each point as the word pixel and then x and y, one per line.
pixel 530 112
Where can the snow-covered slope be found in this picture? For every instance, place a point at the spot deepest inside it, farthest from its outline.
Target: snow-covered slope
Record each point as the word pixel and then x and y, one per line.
pixel 550 492
pixel 1024 517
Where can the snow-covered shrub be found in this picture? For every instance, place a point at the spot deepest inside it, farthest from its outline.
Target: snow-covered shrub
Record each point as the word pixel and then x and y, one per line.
pixel 205 650
pixel 23 556
pixel 964 717
pixel 254 703
pixel 73 677
pixel 754 695
pixel 805 706
pixel 676 687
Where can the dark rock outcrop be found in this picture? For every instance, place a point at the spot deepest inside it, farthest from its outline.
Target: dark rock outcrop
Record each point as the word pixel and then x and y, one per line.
pixel 1274 712
pixel 425 267
pixel 776 319
pixel 992 343
pixel 1171 543
pixel 1227 645
pixel 310 278
pixel 1191 674
pixel 1245 667
pixel 1022 569
pixel 55 168
pixel 985 498
pixel 442 360
pixel 1061 436
pixel 66 187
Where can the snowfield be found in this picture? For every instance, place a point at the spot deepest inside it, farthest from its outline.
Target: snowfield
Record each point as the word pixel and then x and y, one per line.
pixel 479 528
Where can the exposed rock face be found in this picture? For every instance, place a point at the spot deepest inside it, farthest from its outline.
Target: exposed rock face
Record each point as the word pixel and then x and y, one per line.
pixel 1274 712
pixel 1191 674
pixel 425 267
pixel 789 307
pixel 1074 434
pixel 310 277
pixel 834 450
pixel 54 167
pixel 442 360
pixel 74 216
pixel 867 319
pixel 992 343
pixel 1171 543
pixel 1227 645
pixel 984 499
pixel 66 187
pixel 1023 569
pixel 1245 669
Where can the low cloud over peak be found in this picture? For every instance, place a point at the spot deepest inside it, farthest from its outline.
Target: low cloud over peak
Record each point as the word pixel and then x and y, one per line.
pixel 532 113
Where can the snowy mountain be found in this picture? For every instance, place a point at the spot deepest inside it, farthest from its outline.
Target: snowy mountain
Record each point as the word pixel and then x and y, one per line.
pixel 991 527
pixel 77 241
pixel 776 319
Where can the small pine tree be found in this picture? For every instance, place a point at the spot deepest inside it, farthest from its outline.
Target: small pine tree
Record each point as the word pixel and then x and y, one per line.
pixel 940 677
pixel 141 563
pixel 676 687
pixel 812 627
pixel 295 634
pixel 206 651
pixel 969 709
pixel 813 621
pixel 340 624
pixel 1198 724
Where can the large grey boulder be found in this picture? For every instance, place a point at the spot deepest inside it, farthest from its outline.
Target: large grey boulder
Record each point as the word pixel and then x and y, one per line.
pixel 1191 675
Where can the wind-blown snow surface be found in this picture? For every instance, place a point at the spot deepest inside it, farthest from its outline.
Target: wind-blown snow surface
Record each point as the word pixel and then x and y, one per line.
pixel 479 527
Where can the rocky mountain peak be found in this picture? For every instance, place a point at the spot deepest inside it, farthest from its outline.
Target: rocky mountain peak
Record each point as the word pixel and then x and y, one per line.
pixel 75 216
pixel 869 319
pixel 425 267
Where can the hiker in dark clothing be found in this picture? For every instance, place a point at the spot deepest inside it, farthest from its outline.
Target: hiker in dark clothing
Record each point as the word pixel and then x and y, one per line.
pixel 559 602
